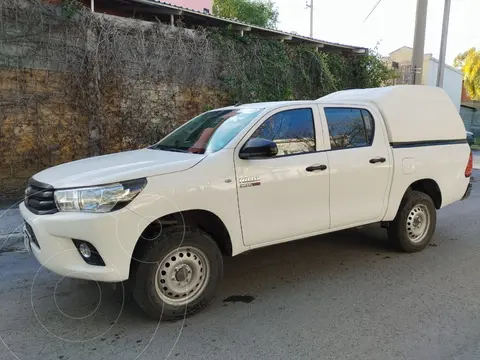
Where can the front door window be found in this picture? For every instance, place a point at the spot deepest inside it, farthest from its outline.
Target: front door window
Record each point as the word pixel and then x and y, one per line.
pixel 292 131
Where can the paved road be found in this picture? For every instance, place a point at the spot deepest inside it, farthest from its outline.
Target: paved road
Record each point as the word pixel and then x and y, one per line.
pixel 10 221
pixel 341 296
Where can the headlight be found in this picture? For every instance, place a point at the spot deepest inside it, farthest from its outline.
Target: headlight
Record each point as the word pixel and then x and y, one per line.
pixel 99 199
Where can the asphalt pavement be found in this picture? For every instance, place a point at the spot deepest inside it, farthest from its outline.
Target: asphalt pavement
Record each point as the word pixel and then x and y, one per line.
pixel 346 295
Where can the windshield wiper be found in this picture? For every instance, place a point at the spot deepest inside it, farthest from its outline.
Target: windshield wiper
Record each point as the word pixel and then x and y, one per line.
pixel 169 148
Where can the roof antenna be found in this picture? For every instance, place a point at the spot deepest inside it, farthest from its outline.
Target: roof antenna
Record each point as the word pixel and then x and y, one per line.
pixel 238 104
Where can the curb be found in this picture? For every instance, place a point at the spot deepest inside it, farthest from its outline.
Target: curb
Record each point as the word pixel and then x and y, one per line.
pixel 11 242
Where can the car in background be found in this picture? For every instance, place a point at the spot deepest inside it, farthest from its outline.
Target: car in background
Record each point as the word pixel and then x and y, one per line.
pixel 470 138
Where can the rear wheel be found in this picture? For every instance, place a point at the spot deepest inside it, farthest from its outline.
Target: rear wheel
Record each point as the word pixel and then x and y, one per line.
pixel 178 274
pixel 413 227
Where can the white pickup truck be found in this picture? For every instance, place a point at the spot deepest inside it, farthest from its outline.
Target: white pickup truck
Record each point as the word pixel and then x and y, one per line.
pixel 243 177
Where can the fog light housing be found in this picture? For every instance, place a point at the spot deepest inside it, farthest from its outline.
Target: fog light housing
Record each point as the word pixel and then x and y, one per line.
pixel 85 250
pixel 88 252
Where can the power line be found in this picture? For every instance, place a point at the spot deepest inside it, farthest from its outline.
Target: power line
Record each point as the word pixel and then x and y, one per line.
pixel 371 12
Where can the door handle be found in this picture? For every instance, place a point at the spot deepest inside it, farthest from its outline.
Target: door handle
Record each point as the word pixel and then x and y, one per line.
pixel 316 167
pixel 377 160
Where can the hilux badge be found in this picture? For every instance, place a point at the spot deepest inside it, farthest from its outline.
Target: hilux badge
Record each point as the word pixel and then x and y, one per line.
pixel 249 181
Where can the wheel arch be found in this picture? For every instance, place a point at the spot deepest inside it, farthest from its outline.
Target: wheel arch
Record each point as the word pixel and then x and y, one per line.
pixel 426 185
pixel 205 220
pixel 430 187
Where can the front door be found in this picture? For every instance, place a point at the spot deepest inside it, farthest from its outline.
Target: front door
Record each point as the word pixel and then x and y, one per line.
pixel 360 165
pixel 285 196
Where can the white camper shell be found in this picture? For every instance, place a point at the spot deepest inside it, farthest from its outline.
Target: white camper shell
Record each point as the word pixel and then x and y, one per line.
pixel 411 113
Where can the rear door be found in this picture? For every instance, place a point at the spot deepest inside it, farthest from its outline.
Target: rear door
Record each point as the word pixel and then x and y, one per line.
pixel 360 164
pixel 285 196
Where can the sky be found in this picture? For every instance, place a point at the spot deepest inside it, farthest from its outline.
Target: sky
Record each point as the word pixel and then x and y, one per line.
pixel 391 24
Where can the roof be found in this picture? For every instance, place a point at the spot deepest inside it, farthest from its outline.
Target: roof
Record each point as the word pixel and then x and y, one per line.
pixel 163 10
pixel 268 105
pixel 410 112
pixel 274 104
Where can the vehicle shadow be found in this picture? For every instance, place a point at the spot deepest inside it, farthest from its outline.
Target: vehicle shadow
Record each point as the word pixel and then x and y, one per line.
pixel 256 273
pixel 317 256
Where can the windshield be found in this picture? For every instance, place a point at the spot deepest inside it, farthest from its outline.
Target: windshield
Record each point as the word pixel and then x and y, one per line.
pixel 208 132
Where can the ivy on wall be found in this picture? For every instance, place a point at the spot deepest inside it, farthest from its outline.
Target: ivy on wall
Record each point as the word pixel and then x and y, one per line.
pixel 257 69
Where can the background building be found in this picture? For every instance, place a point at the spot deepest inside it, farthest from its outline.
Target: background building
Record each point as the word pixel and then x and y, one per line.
pixel 401 59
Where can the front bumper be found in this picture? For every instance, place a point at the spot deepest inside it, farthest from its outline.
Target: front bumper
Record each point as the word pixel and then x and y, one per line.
pixel 468 191
pixel 114 235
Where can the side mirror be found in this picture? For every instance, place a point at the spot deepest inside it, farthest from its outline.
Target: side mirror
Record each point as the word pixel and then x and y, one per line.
pixel 258 148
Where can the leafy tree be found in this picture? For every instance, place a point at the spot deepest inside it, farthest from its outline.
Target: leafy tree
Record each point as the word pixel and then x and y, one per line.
pixel 255 12
pixel 469 63
pixel 371 71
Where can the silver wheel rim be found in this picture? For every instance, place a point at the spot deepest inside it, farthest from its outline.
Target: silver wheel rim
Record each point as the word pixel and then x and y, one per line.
pixel 182 276
pixel 418 223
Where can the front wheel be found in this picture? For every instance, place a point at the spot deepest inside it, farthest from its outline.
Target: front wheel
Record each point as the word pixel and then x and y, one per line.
pixel 178 274
pixel 413 227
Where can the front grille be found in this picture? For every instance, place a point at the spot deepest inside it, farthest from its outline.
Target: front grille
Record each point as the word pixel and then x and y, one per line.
pixel 32 234
pixel 39 198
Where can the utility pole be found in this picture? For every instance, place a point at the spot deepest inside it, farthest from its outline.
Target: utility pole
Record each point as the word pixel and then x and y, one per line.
pixel 443 43
pixel 419 42
pixel 311 17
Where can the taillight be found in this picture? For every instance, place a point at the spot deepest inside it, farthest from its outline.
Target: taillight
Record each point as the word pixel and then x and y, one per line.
pixel 469 168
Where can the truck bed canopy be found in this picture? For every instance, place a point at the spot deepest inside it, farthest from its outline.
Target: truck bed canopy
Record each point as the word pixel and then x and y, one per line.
pixel 411 112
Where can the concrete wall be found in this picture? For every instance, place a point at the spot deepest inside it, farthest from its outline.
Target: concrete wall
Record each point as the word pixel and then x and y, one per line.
pixel 452 81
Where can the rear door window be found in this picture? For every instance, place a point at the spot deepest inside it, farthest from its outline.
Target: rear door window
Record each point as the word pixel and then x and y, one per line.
pixel 349 127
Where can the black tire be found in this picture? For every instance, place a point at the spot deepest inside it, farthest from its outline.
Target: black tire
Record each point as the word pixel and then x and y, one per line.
pixel 398 231
pixel 172 238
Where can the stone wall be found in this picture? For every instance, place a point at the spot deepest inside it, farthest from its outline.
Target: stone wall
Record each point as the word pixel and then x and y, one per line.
pixel 82 84
pixel 38 128
pixel 42 126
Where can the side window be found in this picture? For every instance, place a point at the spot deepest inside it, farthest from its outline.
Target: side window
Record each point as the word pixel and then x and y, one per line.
pixel 292 131
pixel 349 127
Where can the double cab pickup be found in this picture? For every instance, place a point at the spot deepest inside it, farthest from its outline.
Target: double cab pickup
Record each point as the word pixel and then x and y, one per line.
pixel 243 177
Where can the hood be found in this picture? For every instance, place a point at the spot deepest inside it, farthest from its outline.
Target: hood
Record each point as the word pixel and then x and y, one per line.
pixel 117 167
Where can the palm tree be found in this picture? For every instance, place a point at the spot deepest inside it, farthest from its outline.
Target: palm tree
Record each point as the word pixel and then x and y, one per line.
pixel 469 63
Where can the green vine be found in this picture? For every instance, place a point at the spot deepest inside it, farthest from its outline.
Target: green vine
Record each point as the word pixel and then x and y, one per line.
pixel 258 69
pixel 70 8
